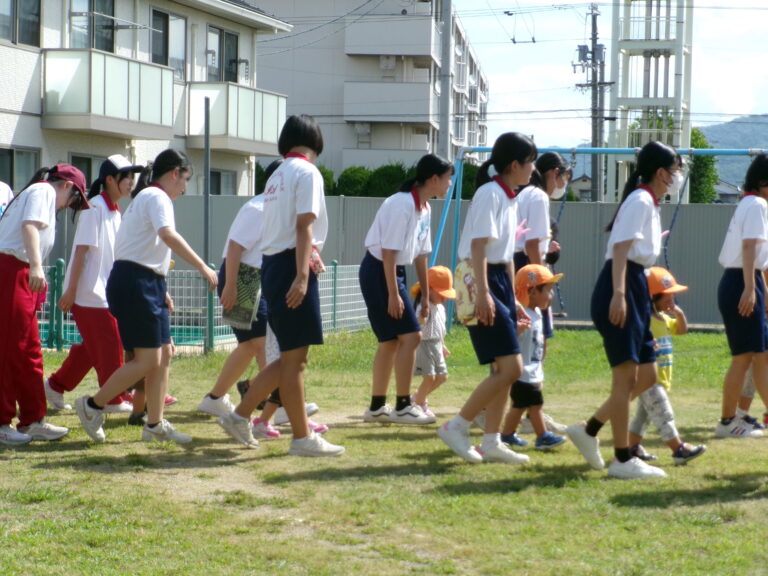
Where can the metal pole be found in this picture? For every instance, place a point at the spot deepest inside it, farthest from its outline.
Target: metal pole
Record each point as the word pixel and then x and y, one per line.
pixel 207 182
pixel 446 58
pixel 595 87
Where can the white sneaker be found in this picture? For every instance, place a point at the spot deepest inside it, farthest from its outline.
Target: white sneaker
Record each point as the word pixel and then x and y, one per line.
pixel 458 441
pixel 164 432
pixel 589 446
pixel 12 437
pixel 314 445
pixel 42 430
pixel 239 428
pixel 479 420
pixel 634 468
pixel 55 399
pixel 501 453
pixel 121 408
pixel 378 415
pixel 411 414
pixel 91 419
pixel 738 428
pixel 281 417
pixel 219 407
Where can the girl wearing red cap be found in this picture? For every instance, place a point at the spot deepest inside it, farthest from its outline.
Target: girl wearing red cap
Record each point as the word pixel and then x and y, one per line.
pixel 27 233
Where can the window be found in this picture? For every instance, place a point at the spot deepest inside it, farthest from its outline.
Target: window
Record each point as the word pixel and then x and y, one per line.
pixel 88 165
pixel 18 166
pixel 222 55
pixel 89 29
pixel 169 42
pixel 20 21
pixel 223 183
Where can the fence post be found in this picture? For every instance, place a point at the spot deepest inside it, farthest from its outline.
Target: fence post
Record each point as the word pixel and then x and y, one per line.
pixel 209 323
pixel 58 314
pixel 334 287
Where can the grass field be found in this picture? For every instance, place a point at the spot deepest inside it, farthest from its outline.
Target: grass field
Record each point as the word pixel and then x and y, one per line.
pixel 398 501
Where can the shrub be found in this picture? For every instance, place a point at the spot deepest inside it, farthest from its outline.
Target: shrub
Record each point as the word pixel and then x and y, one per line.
pixel 386 180
pixel 353 181
pixel 328 182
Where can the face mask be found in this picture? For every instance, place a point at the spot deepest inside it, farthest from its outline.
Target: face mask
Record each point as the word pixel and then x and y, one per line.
pixel 676 185
pixel 558 193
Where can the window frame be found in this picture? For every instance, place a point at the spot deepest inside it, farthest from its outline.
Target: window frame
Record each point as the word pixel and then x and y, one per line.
pixel 15 24
pixel 179 73
pixel 225 72
pixel 16 181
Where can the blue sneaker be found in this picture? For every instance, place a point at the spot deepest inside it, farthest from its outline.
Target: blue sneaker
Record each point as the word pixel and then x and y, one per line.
pixel 513 440
pixel 548 440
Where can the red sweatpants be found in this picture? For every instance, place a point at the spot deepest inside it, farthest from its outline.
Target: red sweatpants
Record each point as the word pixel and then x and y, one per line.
pixel 21 359
pixel 101 349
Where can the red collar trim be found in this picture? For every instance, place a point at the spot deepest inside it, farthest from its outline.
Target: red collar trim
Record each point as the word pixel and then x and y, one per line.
pixel 156 184
pixel 650 191
pixel 507 190
pixel 750 193
pixel 297 155
pixel 417 199
pixel 113 206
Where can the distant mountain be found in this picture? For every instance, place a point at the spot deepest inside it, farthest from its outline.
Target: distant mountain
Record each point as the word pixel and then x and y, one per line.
pixel 744 132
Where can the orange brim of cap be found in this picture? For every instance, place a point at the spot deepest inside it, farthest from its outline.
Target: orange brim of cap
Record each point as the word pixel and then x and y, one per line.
pixel 674 289
pixel 448 293
pixel 555 278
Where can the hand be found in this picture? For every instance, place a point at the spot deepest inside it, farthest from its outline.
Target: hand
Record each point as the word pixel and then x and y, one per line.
pixel 169 302
pixel 395 306
pixel 37 280
pixel 523 320
pixel 210 276
pixel 617 312
pixel 424 308
pixel 296 293
pixel 485 309
pixel 554 246
pixel 67 300
pixel 229 296
pixel 521 230
pixel 446 352
pixel 747 303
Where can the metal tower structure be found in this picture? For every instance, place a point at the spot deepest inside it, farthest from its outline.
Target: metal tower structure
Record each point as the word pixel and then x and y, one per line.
pixel 651 72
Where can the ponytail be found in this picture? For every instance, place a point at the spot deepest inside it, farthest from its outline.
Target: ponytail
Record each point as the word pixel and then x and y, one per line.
pixel 167 160
pixel 482 176
pixel 508 148
pixel 632 183
pixel 95 189
pixel 428 165
pixel 145 177
pixel 38 176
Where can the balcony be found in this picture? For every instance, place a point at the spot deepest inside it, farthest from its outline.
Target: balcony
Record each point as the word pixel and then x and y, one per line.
pixel 374 35
pixel 99 93
pixel 243 120
pixel 408 102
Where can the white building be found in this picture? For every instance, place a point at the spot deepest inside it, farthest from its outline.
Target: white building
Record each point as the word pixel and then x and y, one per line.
pixel 88 78
pixel 370 74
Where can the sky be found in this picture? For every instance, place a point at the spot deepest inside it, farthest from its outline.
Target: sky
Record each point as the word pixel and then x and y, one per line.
pixel 532 85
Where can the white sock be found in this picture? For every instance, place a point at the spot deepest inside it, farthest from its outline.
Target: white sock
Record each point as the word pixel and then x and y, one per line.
pixel 237 416
pixel 741 413
pixel 460 423
pixel 490 440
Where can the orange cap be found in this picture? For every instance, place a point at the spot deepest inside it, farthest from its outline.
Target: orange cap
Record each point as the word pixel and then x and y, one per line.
pixel 440 280
pixel 661 281
pixel 530 276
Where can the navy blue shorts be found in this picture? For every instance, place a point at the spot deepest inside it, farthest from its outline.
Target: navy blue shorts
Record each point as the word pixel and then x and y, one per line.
pixel 521 259
pixel 633 342
pixel 136 298
pixel 373 285
pixel 748 334
pixel 293 327
pixel 258 327
pixel 491 342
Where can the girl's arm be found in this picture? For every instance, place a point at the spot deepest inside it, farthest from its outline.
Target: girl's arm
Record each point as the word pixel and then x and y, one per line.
pixel 748 298
pixel 523 320
pixel 395 304
pixel 617 312
pixel 78 263
pixel 30 233
pixel 485 309
pixel 532 251
pixel 234 256
pixel 421 265
pixel 298 289
pixel 176 242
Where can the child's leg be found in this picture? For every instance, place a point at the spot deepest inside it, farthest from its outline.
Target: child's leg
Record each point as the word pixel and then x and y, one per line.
pixel 144 361
pixel 292 364
pixel 536 415
pixel 405 359
pixel 383 363
pixel 659 409
pixel 639 425
pixel 760 375
pixel 156 385
pixel 259 388
pixel 440 379
pixel 747 392
pixel 236 364
pixel 734 381
pixel 616 407
pixel 492 392
pixel 427 385
pixel 512 421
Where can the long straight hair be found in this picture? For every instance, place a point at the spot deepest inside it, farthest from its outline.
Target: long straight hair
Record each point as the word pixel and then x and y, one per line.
pixel 429 165
pixel 166 161
pixel 508 147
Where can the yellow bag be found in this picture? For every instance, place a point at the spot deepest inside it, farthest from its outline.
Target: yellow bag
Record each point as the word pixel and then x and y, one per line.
pixel 464 283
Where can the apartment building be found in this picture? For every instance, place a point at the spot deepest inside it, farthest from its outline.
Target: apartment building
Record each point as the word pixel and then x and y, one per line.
pixel 88 78
pixel 370 73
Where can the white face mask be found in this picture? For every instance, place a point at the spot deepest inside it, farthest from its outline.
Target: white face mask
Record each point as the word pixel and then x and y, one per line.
pixel 676 185
pixel 558 193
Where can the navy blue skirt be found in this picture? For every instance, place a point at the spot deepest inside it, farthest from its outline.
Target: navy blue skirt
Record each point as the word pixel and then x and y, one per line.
pixel 293 327
pixel 373 285
pixel 136 298
pixel 633 342
pixel 258 327
pixel 748 334
pixel 499 340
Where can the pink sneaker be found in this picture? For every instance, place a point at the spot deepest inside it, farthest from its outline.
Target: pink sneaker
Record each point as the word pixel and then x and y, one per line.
pixel 170 400
pixel 424 407
pixel 316 427
pixel 264 429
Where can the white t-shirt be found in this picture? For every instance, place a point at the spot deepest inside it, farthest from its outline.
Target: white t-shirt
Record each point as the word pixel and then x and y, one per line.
pixel 137 240
pixel 532 348
pixel 434 326
pixel 400 225
pixel 6 195
pixel 638 219
pixel 35 204
pixel 296 187
pixel 750 220
pixel 492 214
pixel 533 207
pixel 96 228
pixel 246 230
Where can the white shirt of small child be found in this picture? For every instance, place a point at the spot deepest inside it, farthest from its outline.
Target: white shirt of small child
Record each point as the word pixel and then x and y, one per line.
pixel 533 207
pixel 492 214
pixel 296 187
pixel 97 228
pixel 137 240
pixel 532 348
pixel 434 326
pixel 246 231
pixel 638 219
pixel 749 221
pixel 400 226
pixel 35 204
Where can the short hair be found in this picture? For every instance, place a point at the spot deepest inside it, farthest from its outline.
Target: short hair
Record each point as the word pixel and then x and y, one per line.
pixel 301 130
pixel 757 173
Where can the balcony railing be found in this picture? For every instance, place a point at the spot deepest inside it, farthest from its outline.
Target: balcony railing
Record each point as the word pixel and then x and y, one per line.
pixel 97 92
pixel 242 119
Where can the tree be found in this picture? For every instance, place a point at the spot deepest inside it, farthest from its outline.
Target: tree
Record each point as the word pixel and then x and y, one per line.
pixel 703 173
pixel 386 180
pixel 328 182
pixel 353 181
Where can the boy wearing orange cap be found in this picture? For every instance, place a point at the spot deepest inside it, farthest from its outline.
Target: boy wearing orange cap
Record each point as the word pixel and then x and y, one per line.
pixel 533 289
pixel 667 319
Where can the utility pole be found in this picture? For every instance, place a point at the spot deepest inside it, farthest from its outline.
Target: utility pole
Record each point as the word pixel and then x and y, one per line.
pixel 446 51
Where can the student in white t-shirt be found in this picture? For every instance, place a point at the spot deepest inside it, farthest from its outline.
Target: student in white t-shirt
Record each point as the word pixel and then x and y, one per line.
pixel 138 296
pixel 85 288
pixel 399 236
pixel 27 233
pixel 6 195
